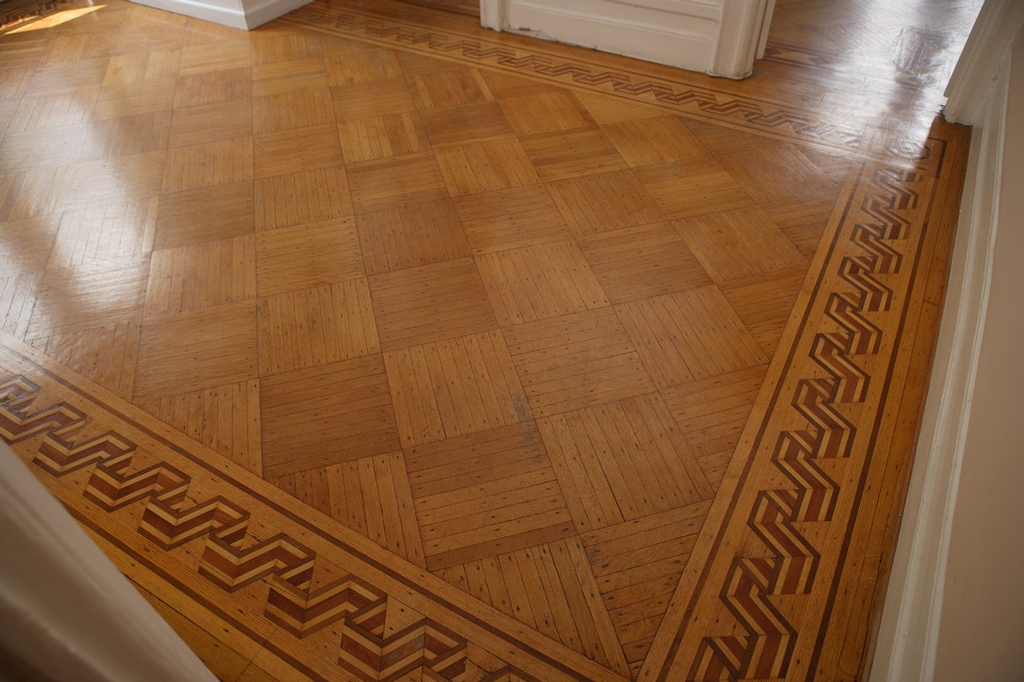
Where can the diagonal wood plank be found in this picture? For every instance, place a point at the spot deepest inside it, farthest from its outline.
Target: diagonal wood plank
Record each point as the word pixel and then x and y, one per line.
pixel 456 485
pixel 310 416
pixel 430 303
pixel 693 334
pixel 458 386
pixel 372 497
pixel 574 361
pixel 537 282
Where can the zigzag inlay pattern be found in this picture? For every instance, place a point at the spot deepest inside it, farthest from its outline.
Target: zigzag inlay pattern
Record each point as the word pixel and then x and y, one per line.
pixel 227 559
pixel 684 99
pixel 438 652
pixel 791 562
pixel 303 612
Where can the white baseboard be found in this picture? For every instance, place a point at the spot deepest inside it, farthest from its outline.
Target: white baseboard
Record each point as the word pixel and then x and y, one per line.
pixel 241 14
pixel 909 632
pixel 686 41
pixel 259 12
pixel 718 37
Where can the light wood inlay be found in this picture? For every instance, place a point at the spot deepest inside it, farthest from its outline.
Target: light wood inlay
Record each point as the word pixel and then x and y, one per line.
pixel 509 359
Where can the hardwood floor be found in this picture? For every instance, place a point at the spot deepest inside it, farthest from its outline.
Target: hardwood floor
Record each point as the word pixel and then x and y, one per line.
pixel 372 345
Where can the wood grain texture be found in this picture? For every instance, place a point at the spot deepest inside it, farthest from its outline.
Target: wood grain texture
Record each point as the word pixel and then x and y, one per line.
pixel 309 416
pixel 712 340
pixel 465 356
pixel 430 303
pixel 454 387
pixel 410 236
pixel 575 361
pixel 198 349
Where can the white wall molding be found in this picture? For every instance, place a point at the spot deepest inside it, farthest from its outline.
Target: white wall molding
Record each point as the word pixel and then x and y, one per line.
pixel 739 38
pixel 66 612
pixel 976 70
pixel 241 14
pixel 719 37
pixel 259 12
pixel 909 631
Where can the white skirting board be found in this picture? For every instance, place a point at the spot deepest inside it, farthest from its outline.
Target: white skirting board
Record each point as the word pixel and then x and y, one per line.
pixel 242 14
pixel 718 37
pixel 909 633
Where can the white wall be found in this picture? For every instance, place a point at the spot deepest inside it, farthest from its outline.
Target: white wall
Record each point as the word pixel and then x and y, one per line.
pixel 66 612
pixel 981 633
pixel 955 603
pixel 241 14
pixel 719 37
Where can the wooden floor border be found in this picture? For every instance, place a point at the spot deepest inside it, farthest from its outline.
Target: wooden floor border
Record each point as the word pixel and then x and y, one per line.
pixel 283 576
pixel 783 549
pixel 779 559
pixel 552 63
pixel 787 574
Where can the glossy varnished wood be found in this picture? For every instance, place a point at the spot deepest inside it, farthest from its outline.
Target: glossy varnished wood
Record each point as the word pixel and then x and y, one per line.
pixel 550 363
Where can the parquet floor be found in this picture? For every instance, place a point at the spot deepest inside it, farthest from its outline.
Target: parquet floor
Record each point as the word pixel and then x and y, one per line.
pixel 374 346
